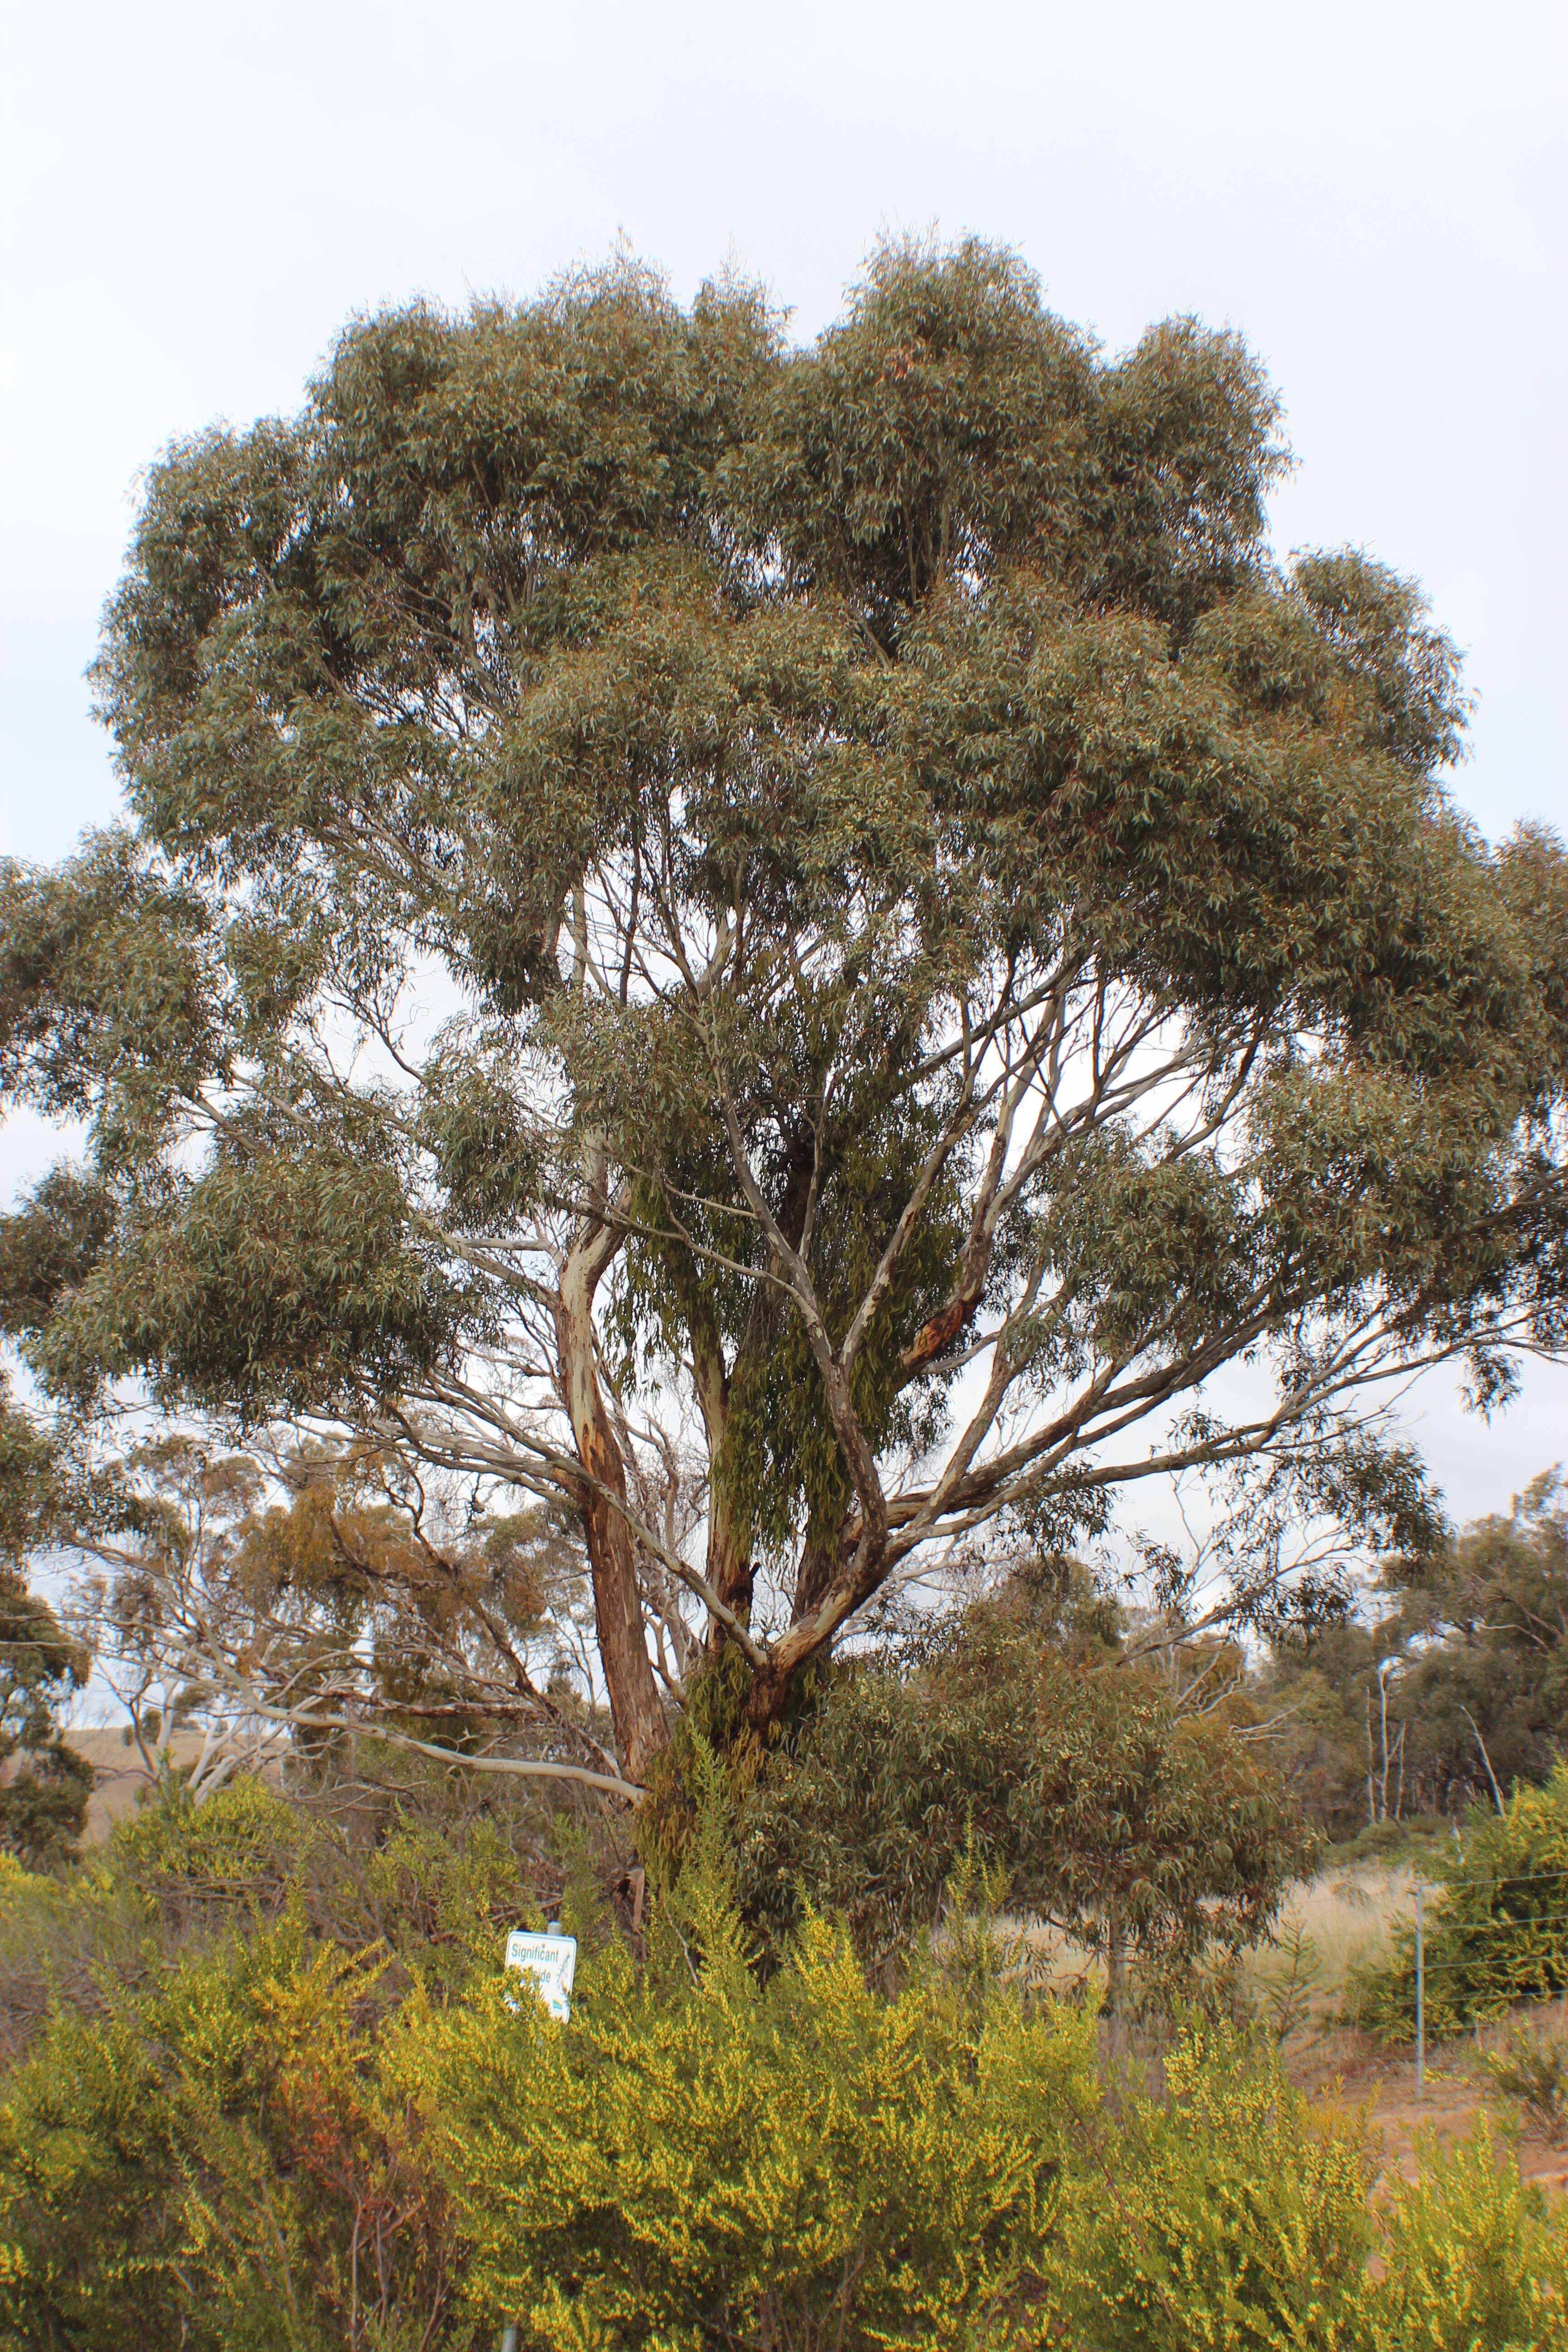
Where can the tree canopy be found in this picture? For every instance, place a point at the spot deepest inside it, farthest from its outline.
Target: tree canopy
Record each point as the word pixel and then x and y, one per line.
pixel 826 930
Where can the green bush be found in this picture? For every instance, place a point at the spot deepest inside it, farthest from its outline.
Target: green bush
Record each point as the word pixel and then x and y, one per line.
pixel 64 1936
pixel 259 2151
pixel 1472 2262
pixel 436 1894
pixel 1497 1931
pixel 1532 2071
pixel 1233 2216
pixel 1228 2214
pixel 214 2163
pixel 1134 1828
pixel 246 1840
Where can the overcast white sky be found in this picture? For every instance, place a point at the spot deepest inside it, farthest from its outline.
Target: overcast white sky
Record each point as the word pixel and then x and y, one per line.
pixel 193 199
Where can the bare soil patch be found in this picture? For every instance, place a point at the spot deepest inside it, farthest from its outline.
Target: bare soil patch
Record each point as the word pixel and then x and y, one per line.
pixel 1359 2071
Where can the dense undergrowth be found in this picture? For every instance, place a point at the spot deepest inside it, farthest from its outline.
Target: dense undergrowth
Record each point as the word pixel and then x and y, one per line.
pixel 291 2106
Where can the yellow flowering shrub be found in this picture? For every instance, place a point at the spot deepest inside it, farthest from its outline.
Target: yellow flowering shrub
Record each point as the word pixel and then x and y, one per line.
pixel 702 2157
pixel 213 2163
pixel 267 2141
pixel 1235 2216
pixel 1473 2259
pixel 1497 1931
pixel 1228 2217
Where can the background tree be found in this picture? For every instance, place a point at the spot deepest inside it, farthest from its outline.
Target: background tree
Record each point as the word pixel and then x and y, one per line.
pixel 300 1601
pixel 839 893
pixel 1446 1689
pixel 44 1784
pixel 1139 1820
pixel 1483 1685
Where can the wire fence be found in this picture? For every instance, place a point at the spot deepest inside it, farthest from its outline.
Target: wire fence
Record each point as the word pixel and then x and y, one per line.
pixel 1516 1976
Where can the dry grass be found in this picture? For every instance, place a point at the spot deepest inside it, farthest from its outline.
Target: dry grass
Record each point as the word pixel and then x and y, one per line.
pixel 1341 1923
pixel 122 1775
pixel 1350 1914
pixel 1329 1929
pixel 1302 1986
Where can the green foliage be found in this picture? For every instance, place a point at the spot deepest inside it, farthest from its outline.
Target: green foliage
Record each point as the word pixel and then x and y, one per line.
pixel 1497 1598
pixel 64 1935
pixel 29 1483
pixel 1498 1932
pixel 46 1787
pixel 1228 2214
pixel 912 874
pixel 1472 2257
pixel 434 1897
pixel 133 994
pixel 1233 2217
pixel 277 2129
pixel 713 1723
pixel 1285 1988
pixel 196 2134
pixel 214 2164
pixel 1106 1812
pixel 43 1805
pixel 270 1284
pixel 245 1842
pixel 1462 1646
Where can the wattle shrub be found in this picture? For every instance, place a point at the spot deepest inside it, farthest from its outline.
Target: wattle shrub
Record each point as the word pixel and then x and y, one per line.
pixel 712 2157
pixel 1235 2216
pixel 271 2143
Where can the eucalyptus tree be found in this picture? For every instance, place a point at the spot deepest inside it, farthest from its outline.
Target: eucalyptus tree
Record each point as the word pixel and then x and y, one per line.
pixel 842 892
pixel 45 1784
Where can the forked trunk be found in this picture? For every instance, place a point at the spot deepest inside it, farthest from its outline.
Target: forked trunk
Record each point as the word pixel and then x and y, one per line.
pixel 641 1730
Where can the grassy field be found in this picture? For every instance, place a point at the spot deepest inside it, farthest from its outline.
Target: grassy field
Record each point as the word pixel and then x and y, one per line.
pixel 122 1775
pixel 1329 1928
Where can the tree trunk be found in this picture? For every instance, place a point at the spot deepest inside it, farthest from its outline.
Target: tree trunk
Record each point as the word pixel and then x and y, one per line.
pixel 814 1574
pixel 641 1730
pixel 729 1568
pixel 1115 1967
pixel 832 1581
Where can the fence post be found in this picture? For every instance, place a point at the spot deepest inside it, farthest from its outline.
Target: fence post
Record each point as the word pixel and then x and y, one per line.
pixel 1420 1998
pixel 508 2341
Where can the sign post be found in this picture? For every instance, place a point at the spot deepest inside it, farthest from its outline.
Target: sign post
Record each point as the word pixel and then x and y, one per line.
pixel 551 1960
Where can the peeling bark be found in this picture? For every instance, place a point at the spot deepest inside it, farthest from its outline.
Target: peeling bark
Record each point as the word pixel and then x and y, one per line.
pixel 812 1577
pixel 641 1729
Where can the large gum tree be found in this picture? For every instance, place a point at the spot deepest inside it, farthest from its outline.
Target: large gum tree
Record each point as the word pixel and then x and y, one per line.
pixel 843 892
